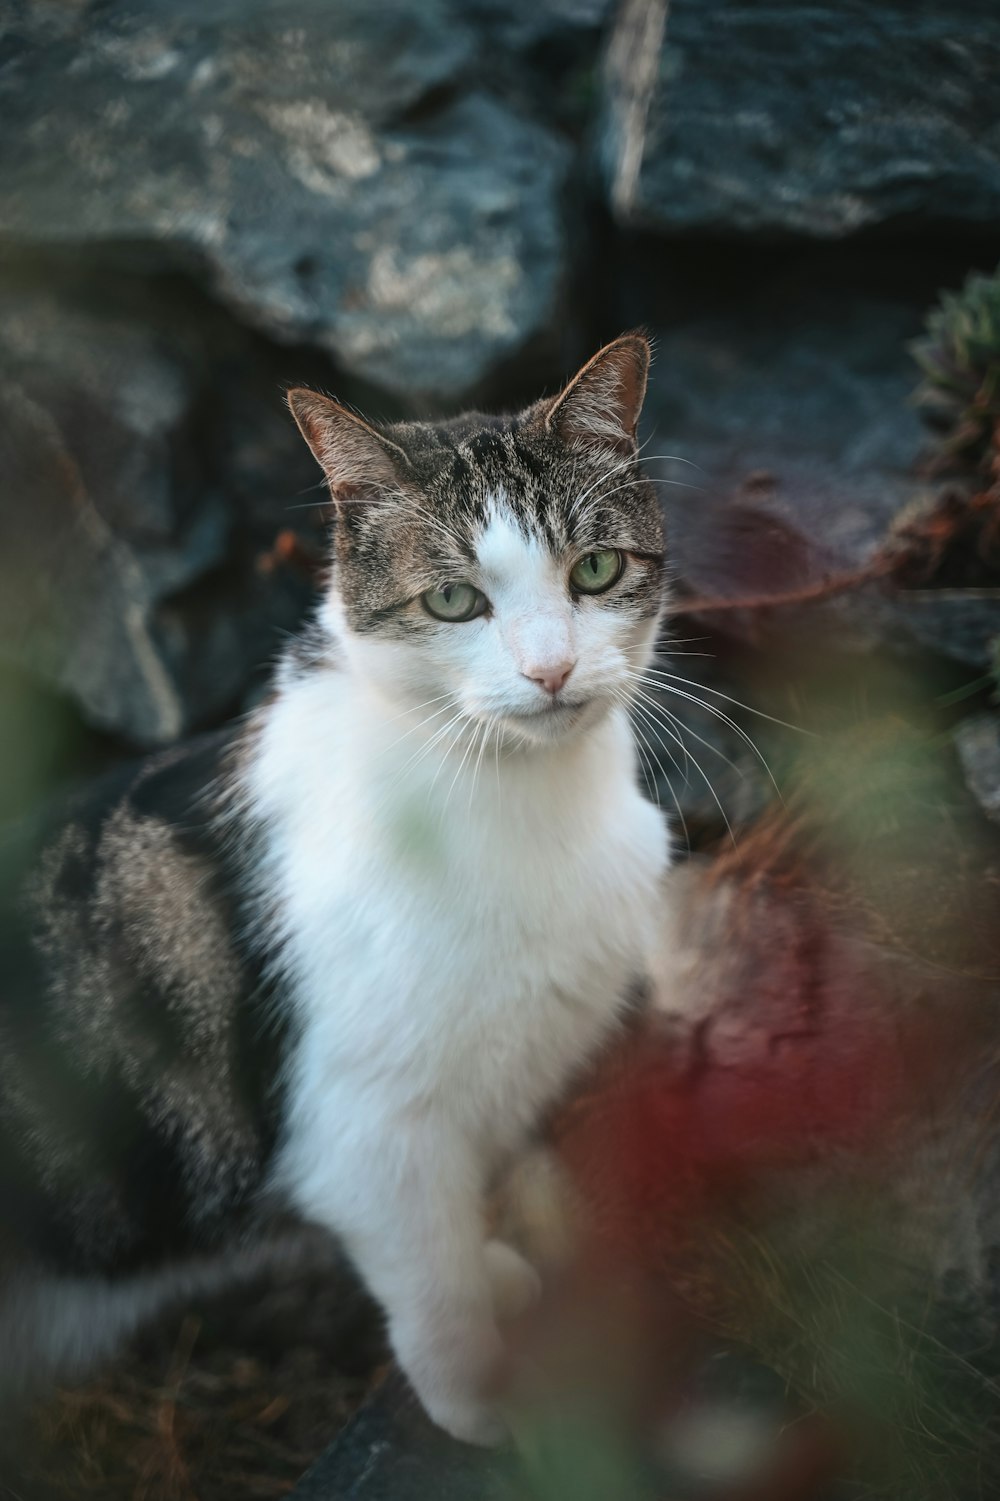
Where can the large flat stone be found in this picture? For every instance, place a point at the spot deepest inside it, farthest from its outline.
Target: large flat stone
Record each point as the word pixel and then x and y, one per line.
pixel 806 119
pixel 130 523
pixel 392 1452
pixel 97 524
pixel 787 401
pixel 331 174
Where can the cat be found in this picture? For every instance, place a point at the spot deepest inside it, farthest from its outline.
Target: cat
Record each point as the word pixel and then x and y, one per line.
pixel 338 961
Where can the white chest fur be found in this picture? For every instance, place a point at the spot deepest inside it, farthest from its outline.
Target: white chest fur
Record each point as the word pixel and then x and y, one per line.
pixel 455 941
pixel 456 937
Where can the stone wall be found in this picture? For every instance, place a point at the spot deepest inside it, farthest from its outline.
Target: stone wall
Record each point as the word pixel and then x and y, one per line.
pixel 423 204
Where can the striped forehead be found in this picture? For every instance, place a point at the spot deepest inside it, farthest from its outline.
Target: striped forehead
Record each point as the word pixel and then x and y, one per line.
pixel 510 558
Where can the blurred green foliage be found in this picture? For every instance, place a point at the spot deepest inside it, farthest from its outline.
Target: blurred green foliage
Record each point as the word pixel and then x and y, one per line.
pixel 42 742
pixel 960 358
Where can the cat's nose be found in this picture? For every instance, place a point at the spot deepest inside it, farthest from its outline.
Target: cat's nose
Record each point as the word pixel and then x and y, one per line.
pixel 551 677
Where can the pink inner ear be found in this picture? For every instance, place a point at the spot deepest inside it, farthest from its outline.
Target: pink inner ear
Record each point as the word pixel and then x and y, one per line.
pixel 355 457
pixel 603 401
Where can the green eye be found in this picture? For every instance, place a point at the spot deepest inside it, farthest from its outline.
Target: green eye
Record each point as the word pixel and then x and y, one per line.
pixel 597 571
pixel 455 602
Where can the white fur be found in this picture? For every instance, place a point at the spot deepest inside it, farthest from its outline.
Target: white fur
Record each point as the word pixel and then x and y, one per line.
pixel 458 921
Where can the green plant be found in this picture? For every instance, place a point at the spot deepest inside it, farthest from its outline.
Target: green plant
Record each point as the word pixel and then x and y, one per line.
pixel 960 357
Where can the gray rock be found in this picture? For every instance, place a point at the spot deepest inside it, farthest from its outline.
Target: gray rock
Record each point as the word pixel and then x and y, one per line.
pixel 543 56
pixel 812 119
pixel 391 1452
pixel 977 741
pixel 797 444
pixel 523 24
pixel 127 577
pixel 798 403
pixel 99 523
pixel 305 167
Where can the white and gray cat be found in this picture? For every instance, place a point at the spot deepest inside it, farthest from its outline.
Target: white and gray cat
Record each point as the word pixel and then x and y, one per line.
pixel 341 960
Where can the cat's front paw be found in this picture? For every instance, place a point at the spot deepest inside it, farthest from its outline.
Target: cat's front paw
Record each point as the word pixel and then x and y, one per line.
pixel 470 1422
pixel 514 1283
pixel 453 1364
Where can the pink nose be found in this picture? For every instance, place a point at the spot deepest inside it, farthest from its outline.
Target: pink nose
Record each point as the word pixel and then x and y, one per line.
pixel 550 678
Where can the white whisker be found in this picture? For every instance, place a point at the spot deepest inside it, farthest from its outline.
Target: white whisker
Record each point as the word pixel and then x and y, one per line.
pixel 718 693
pixel 399 498
pixel 399 740
pixel 422 751
pixel 661 708
pixel 435 700
pixel 648 759
pixel 600 480
pixel 652 720
pixel 685 724
pixel 637 693
pixel 725 718
pixel 709 784
pixel 499 729
pixel 487 726
pixel 652 458
pixel 642 479
pixel 458 770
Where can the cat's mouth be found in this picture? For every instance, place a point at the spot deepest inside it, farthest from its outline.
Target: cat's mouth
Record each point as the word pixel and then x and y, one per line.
pixel 552 718
pixel 554 706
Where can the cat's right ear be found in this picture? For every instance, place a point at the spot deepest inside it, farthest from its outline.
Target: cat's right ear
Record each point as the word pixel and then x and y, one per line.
pixel 602 402
pixel 357 460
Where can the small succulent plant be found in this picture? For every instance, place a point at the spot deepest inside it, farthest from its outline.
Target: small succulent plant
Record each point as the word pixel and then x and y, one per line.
pixel 960 358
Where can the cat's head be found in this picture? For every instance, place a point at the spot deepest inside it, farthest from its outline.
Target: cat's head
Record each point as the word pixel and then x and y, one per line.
pixel 509 568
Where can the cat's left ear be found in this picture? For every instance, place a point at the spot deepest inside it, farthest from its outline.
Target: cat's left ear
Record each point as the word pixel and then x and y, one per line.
pixel 602 402
pixel 358 461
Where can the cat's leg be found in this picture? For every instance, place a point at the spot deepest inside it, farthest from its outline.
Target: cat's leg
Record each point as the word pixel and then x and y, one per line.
pixel 406 1202
pixel 536 1208
pixel 514 1283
